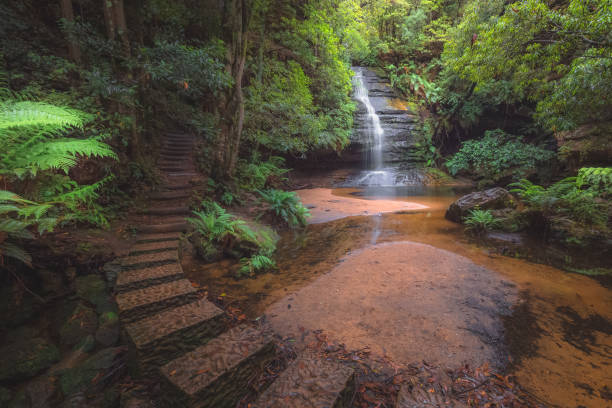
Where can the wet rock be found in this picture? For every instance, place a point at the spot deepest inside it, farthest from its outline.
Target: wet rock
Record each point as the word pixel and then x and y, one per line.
pixel 51 283
pixel 5 396
pixel 111 271
pixel 40 393
pixel 86 344
pixel 92 289
pixel 17 307
pixel 93 373
pixel 82 322
pixel 26 358
pixel 493 198
pixel 108 331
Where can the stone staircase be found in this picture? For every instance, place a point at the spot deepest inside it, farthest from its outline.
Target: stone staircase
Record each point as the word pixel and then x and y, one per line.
pixel 185 339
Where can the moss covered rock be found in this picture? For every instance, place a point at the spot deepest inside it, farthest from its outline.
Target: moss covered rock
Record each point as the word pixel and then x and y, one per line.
pixel 108 330
pixel 5 396
pixel 26 358
pixel 82 322
pixel 93 373
pixel 40 393
pixel 92 289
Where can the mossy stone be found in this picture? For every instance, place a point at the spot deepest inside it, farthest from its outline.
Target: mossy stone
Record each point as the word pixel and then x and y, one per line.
pixel 5 396
pixel 108 331
pixel 87 344
pixel 85 376
pixel 26 358
pixel 92 289
pixel 82 322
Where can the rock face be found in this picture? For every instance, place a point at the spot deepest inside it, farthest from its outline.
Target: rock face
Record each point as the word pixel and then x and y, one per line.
pixel 93 372
pixel 398 122
pixel 26 358
pixel 493 198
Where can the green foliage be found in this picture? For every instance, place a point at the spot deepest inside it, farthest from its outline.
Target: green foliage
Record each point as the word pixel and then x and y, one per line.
pixel 596 179
pixel 286 205
pixel 216 228
pixel 498 155
pixel 256 174
pixel 565 198
pixel 215 225
pixel 255 264
pixel 480 221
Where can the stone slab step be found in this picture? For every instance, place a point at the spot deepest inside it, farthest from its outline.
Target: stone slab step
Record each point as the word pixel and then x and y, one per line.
pixel 151 247
pixel 157 258
pixel 216 374
pixel 177 145
pixel 310 382
pixel 173 168
pixel 164 228
pixel 178 186
pixel 171 236
pixel 153 275
pixel 170 195
pixel 180 210
pixel 182 174
pixel 175 153
pixel 140 303
pixel 178 137
pixel 168 334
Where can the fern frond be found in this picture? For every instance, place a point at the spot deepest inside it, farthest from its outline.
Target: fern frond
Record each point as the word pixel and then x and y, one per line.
pixel 10 250
pixel 16 114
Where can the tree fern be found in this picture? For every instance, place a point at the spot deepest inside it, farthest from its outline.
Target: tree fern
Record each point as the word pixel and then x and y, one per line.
pixel 35 146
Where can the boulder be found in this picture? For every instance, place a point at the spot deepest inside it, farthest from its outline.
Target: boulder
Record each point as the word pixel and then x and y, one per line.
pixel 92 374
pixel 82 322
pixel 5 396
pixel 40 393
pixel 108 330
pixel 493 198
pixel 26 358
pixel 92 289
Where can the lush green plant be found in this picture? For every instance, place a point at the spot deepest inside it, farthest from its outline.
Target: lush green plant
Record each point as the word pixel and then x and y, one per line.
pixel 36 148
pixel 215 225
pixel 286 205
pixel 255 174
pixel 255 264
pixel 498 155
pixel 480 221
pixel 596 179
pixel 564 198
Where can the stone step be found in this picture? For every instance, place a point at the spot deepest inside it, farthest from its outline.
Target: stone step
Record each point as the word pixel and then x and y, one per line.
pixel 164 228
pixel 173 168
pixel 171 236
pixel 180 210
pixel 152 247
pixel 182 174
pixel 216 374
pixel 170 195
pixel 180 150
pixel 173 155
pixel 140 303
pixel 186 138
pixel 153 275
pixel 168 334
pixel 174 145
pixel 157 258
pixel 310 382
pixel 178 186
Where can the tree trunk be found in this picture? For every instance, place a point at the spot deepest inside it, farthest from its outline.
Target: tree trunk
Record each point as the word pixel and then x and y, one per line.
pixel 109 18
pixel 236 17
pixel 68 14
pixel 121 25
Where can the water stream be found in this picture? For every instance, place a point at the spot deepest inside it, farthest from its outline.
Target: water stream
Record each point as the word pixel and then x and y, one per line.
pixel 375 172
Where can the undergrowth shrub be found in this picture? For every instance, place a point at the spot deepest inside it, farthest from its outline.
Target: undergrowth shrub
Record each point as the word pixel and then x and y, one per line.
pixel 498 155
pixel 37 154
pixel 218 232
pixel 286 205
pixel 480 221
pixel 257 174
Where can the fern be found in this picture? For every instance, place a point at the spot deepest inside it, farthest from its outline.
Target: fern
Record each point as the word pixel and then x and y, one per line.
pixel 35 145
pixel 596 179
pixel 286 205
pixel 480 221
pixel 255 264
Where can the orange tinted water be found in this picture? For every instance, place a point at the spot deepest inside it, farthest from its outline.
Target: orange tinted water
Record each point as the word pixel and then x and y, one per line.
pixel 559 336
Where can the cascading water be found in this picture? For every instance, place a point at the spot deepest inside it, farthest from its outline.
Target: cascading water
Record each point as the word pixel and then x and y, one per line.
pixel 375 173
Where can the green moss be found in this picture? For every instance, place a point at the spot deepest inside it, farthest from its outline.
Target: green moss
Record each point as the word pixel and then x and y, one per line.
pixel 82 322
pixel 26 358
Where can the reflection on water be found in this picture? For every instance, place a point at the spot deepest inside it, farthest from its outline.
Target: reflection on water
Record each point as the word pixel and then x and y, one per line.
pixel 559 336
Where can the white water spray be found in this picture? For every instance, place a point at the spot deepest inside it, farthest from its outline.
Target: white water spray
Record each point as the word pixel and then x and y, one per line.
pixel 374 163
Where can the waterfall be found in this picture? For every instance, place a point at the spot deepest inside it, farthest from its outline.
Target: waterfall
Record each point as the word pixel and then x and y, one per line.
pixel 374 171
